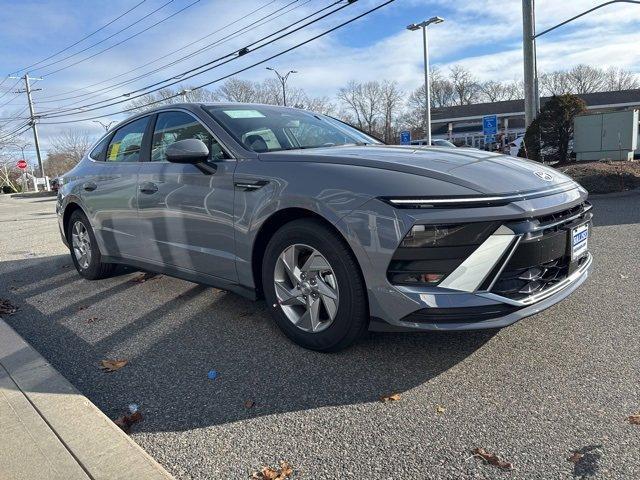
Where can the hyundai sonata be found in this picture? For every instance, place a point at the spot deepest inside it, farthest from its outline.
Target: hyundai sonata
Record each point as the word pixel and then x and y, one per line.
pixel 335 230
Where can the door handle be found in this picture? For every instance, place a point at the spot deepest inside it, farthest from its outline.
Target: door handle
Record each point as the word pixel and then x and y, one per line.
pixel 89 186
pixel 148 187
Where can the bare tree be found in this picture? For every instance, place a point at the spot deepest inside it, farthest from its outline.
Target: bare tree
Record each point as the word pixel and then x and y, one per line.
pixel 66 151
pixel 492 91
pixel 392 103
pixel 442 93
pixel 465 85
pixel 554 83
pixel 617 79
pixel 586 79
pixel 363 100
pixel 322 105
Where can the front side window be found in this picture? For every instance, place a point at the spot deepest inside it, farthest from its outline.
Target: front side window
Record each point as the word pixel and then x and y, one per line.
pixel 126 143
pixel 263 128
pixel 173 126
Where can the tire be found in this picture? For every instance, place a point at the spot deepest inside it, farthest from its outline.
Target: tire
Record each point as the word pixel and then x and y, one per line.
pixel 336 328
pixel 92 267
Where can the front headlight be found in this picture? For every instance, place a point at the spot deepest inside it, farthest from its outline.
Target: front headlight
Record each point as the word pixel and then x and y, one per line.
pixel 447 235
pixel 428 253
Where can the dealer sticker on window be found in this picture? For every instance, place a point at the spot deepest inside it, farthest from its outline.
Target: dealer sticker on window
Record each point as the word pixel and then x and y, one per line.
pixel 579 237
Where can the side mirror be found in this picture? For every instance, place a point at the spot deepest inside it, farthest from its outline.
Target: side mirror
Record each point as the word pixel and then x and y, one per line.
pixel 190 150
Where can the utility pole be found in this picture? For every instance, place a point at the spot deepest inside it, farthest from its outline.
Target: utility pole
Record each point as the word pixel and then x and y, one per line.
pixel 32 113
pixel 531 97
pixel 283 80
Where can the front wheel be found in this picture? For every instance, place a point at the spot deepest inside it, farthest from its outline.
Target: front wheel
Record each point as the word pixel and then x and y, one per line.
pixel 84 248
pixel 314 287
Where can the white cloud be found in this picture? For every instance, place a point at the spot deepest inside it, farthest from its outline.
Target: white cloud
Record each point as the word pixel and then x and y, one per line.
pixel 483 35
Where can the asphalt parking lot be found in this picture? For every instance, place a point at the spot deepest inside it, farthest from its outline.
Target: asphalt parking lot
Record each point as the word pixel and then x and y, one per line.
pixel 563 381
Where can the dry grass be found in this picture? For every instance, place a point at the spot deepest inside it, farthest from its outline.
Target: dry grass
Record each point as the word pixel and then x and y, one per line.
pixel 605 177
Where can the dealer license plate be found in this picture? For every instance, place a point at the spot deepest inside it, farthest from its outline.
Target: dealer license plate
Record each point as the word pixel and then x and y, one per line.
pixel 579 239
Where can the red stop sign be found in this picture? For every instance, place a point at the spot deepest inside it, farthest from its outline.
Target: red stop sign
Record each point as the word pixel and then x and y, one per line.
pixel 22 164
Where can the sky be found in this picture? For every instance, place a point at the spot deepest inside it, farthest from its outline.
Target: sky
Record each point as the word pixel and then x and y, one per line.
pixel 482 35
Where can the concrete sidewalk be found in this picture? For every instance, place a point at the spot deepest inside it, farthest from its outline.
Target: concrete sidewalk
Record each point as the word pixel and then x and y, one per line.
pixel 48 430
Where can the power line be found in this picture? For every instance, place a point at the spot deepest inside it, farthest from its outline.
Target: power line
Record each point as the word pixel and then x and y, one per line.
pixel 42 99
pixel 13 134
pixel 9 90
pixel 96 93
pixel 237 71
pixel 104 39
pixel 181 77
pixel 79 41
pixel 124 40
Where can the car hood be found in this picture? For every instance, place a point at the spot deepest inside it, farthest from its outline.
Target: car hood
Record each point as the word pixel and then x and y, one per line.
pixel 484 172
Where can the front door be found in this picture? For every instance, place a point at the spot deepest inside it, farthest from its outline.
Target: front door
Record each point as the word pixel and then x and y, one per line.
pixel 110 193
pixel 186 212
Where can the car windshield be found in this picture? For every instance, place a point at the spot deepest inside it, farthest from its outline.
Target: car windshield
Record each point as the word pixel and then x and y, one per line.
pixel 263 128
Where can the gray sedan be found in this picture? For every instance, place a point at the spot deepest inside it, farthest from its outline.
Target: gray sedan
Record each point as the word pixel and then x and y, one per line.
pixel 336 231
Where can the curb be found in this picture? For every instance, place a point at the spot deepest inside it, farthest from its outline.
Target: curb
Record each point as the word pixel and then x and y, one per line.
pixel 68 436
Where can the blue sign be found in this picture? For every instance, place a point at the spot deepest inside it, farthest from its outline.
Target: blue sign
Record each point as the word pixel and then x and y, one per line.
pixel 490 125
pixel 489 139
pixel 405 137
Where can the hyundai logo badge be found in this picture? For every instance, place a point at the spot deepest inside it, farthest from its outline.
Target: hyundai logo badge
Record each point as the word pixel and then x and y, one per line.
pixel 544 175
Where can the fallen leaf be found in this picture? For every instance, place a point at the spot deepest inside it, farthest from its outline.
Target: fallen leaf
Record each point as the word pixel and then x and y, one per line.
pixel 91 320
pixel 492 459
pixel 249 404
pixel 82 307
pixel 390 398
pixel 271 473
pixel 143 277
pixel 126 421
pixel 634 419
pixel 440 409
pixel 575 457
pixel 7 308
pixel 112 365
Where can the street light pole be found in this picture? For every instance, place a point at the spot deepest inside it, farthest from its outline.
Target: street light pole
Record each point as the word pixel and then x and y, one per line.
pixel 283 80
pixel 427 85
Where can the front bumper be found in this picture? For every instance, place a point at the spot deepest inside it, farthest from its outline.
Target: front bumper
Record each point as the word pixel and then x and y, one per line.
pixel 467 300
pixel 520 309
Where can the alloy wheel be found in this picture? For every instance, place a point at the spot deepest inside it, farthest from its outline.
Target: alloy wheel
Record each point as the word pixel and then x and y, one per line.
pixel 81 243
pixel 306 288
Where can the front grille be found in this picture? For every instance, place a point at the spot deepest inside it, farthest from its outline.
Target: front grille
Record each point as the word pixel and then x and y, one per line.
pixel 544 259
pixel 523 282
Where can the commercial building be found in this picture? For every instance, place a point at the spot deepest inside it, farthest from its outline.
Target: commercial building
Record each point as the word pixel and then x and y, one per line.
pixel 462 124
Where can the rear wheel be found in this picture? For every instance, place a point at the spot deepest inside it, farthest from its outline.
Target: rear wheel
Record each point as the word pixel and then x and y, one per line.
pixel 313 284
pixel 84 248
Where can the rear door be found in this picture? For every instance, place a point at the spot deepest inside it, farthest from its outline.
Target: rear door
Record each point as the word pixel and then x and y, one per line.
pixel 110 193
pixel 186 212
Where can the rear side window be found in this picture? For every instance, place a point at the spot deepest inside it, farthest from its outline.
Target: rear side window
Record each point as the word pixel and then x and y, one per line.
pixel 173 126
pixel 100 150
pixel 126 143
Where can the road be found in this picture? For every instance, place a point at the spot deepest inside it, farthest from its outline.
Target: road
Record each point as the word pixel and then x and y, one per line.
pixel 563 381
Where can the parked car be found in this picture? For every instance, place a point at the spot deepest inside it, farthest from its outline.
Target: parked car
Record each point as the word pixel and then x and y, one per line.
pixel 436 142
pixel 335 230
pixel 514 146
